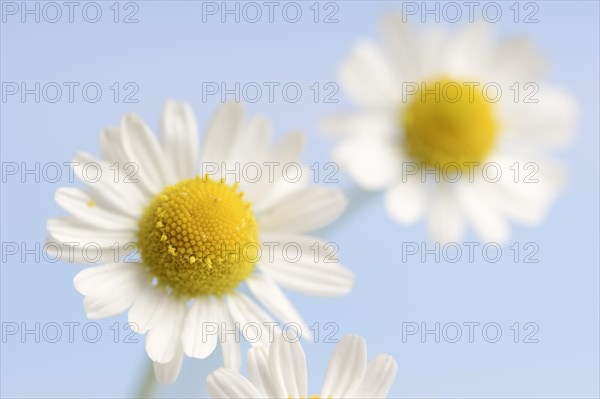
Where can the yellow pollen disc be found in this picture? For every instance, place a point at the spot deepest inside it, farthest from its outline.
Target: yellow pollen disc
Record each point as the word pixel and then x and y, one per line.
pixel 199 237
pixel 448 121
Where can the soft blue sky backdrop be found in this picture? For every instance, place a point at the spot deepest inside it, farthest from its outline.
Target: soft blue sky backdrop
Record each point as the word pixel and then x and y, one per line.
pixel 168 54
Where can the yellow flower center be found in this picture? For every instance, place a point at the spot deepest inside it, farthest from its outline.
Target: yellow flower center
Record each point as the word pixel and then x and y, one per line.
pixel 199 237
pixel 449 122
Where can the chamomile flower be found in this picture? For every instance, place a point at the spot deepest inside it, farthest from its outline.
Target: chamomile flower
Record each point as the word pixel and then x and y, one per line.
pixel 199 233
pixel 279 371
pixel 454 127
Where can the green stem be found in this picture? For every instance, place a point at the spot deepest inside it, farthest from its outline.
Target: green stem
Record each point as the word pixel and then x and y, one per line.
pixel 148 385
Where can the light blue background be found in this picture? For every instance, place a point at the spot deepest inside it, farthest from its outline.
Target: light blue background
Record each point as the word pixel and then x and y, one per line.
pixel 168 54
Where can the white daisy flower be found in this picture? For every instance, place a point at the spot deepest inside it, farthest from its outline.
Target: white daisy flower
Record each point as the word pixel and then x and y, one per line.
pixel 199 237
pixel 430 111
pixel 279 371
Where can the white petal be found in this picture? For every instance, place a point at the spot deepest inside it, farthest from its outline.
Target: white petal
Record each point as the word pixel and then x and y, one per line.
pixel 110 146
pixel 163 341
pixel 200 329
pixel 405 46
pixel 367 76
pixel 551 122
pixel 287 364
pixel 225 383
pixel 252 143
pixel 487 220
pixel 251 318
pixel 70 230
pixel 179 137
pixel 310 278
pixel 142 148
pixel 374 123
pixel 222 131
pixel 107 189
pixel 74 252
pixel 259 372
pixel 516 59
pixel 110 289
pixel 346 367
pixel 284 156
pixel 167 373
pixel 82 205
pixel 374 164
pixel 528 199
pixel 272 298
pixel 305 210
pixel 469 51
pixel 310 247
pixel 445 220
pixel 378 378
pixel 230 337
pixel 406 201
pixel 123 169
pixel 148 305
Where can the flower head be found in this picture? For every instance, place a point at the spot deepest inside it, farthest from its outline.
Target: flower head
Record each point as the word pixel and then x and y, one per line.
pixel 200 232
pixel 453 126
pixel 279 371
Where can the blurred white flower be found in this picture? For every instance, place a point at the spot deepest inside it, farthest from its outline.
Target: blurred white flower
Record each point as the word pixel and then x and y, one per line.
pixel 279 371
pixel 198 237
pixel 441 115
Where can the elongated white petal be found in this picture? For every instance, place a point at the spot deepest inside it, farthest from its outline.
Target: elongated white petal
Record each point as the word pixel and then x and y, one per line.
pixel 110 289
pixel 167 373
pixel 346 367
pixel 225 383
pixel 258 370
pixel 272 298
pixel 468 53
pixel 488 221
pixel 374 164
pixel 76 252
pixel 107 189
pixel 526 198
pixel 280 164
pixel 230 337
pixel 378 378
pixel 305 210
pixel 110 146
pixel 406 201
pixel 379 123
pixel 516 59
pixel 319 279
pixel 367 76
pixel 405 46
pixel 69 229
pixel 201 327
pixel 551 122
pixel 163 340
pixel 147 306
pixel 252 143
pixel 252 319
pixel 142 148
pixel 222 131
pixel 445 219
pixel 180 139
pixel 287 364
pixel 82 205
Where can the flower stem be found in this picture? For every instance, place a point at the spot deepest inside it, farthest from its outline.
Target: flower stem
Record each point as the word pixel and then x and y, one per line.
pixel 148 384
